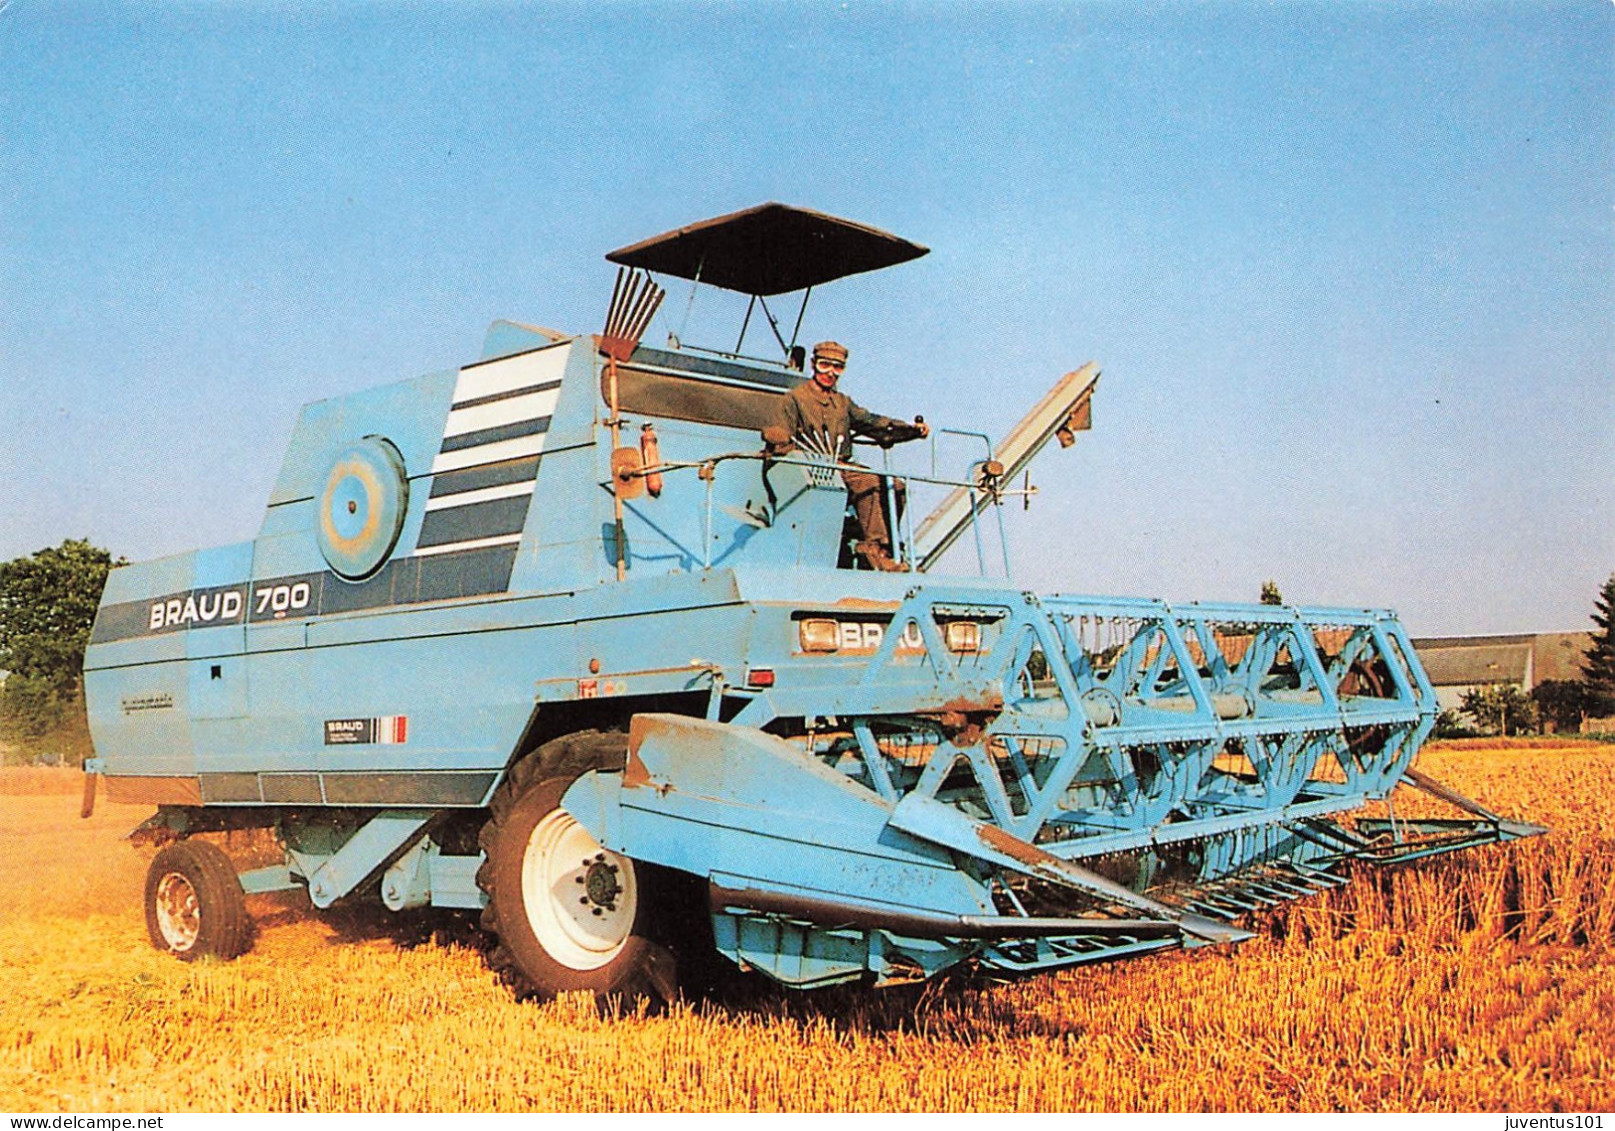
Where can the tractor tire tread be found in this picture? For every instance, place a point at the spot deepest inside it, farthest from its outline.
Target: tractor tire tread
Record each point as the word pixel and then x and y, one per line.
pixel 227 929
pixel 568 756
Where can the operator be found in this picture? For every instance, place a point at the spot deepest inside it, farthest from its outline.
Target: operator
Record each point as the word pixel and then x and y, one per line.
pixel 816 417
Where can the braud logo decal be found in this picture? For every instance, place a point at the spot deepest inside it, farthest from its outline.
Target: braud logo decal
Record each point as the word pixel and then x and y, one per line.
pixel 388 730
pixel 860 636
pixel 212 606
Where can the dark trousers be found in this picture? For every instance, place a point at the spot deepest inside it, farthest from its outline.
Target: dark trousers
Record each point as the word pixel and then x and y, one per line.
pixel 869 504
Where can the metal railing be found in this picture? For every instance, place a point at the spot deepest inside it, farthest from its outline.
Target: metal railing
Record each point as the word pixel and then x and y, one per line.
pixel 983 490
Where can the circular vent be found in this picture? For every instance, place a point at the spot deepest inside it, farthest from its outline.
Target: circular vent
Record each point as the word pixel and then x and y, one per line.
pixel 361 509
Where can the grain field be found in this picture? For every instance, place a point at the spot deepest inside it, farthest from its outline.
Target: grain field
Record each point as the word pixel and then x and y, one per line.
pixel 1475 982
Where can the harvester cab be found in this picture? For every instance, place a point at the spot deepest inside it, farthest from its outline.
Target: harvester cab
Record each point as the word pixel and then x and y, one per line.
pixel 761 253
pixel 550 636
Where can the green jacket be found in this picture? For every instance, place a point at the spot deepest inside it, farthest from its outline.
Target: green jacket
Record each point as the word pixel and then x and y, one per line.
pixel 825 422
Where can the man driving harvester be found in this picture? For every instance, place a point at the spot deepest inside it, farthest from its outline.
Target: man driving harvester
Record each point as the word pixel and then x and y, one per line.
pixel 815 416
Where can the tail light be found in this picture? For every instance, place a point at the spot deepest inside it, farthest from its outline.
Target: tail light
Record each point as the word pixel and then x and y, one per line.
pixel 819 634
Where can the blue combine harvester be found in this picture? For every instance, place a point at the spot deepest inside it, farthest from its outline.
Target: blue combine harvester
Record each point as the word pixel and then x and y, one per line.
pixel 552 637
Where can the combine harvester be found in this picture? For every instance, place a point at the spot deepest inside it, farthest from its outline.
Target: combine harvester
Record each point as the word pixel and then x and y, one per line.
pixel 549 636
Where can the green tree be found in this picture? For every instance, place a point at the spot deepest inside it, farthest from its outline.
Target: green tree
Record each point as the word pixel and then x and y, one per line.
pixel 1501 708
pixel 1598 669
pixel 1454 724
pixel 1563 702
pixel 1271 594
pixel 47 605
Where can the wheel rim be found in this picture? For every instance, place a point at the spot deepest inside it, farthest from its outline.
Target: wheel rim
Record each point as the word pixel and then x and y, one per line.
pixel 580 899
pixel 179 915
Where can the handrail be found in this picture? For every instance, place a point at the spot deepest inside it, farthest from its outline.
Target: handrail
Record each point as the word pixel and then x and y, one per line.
pixel 991 490
pixel 822 464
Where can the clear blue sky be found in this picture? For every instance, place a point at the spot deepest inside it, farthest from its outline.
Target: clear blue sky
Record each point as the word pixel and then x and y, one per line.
pixel 1349 268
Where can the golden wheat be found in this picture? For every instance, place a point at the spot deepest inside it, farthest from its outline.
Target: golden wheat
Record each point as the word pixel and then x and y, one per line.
pixel 1478 981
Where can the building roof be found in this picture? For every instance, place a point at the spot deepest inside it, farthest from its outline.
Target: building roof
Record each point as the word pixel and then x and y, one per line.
pixel 1526 658
pixel 1435 642
pixel 1486 663
pixel 1559 654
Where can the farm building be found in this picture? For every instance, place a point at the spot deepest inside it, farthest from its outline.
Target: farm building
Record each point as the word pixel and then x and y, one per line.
pixel 1457 664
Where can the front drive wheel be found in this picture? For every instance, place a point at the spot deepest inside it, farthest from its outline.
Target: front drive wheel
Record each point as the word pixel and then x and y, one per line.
pixel 569 914
pixel 194 903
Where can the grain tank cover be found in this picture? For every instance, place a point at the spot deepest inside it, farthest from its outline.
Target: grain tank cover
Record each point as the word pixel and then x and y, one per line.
pixel 769 250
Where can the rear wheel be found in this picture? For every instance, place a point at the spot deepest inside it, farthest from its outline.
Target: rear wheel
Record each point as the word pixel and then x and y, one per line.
pixel 569 914
pixel 194 903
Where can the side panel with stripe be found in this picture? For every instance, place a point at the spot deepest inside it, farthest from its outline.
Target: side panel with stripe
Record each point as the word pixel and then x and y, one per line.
pixel 485 471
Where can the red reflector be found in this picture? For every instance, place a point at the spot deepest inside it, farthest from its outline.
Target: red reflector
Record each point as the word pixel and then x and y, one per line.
pixel 760 677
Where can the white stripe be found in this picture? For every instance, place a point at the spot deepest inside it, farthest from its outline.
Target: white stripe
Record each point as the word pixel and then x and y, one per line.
pixel 488 453
pixel 482 495
pixel 473 544
pixel 530 407
pixel 512 373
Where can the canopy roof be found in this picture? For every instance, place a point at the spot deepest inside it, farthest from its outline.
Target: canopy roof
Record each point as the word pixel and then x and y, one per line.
pixel 768 250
